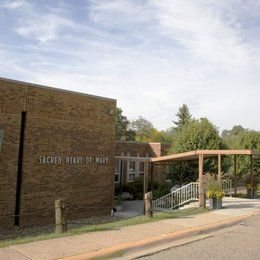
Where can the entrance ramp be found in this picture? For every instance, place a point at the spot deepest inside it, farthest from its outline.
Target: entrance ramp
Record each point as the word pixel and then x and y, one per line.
pixel 184 195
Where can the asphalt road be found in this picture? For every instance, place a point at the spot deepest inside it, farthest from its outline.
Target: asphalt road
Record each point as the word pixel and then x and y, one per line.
pixel 238 242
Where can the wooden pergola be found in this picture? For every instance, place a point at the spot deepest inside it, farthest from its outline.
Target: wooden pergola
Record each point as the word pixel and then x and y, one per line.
pixel 200 155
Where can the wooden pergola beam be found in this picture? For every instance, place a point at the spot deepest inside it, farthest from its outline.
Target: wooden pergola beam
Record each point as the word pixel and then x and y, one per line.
pixel 194 155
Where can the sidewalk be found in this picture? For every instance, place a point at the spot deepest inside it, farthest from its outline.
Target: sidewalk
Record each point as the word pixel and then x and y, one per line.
pixel 112 241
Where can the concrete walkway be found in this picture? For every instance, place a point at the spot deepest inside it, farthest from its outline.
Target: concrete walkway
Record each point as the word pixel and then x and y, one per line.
pixel 86 245
pixel 131 208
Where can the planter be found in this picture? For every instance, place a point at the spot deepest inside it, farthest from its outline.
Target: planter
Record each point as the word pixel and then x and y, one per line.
pixel 215 203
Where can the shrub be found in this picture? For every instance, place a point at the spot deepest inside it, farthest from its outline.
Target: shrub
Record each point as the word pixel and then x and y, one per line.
pixel 213 186
pixel 136 188
pixel 247 181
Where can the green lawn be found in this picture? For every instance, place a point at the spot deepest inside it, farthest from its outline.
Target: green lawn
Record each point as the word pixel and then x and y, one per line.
pixel 108 226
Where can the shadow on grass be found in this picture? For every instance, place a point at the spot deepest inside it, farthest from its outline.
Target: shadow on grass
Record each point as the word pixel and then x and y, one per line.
pixel 116 225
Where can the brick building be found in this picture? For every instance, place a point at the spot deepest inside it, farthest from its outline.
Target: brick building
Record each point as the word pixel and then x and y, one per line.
pixel 55 144
pixel 128 171
pixel 60 144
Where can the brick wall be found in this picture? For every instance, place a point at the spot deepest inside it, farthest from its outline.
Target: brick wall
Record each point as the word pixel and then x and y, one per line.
pixel 58 124
pixel 142 149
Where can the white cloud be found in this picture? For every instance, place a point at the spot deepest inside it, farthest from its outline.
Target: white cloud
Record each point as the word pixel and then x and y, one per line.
pixel 200 29
pixel 13 4
pixel 43 28
pixel 152 56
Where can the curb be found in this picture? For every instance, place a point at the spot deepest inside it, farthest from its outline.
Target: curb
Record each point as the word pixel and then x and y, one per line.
pixel 122 249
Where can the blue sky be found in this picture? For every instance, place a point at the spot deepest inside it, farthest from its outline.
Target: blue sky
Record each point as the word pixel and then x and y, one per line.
pixel 152 56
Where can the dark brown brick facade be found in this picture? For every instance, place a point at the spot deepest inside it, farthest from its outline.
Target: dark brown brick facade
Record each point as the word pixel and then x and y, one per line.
pixel 63 129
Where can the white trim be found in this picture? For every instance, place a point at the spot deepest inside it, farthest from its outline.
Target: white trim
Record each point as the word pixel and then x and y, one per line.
pixel 118 172
pixel 127 170
pixel 137 164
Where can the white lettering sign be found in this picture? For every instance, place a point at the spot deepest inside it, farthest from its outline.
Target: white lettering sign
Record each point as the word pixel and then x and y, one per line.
pixel 73 160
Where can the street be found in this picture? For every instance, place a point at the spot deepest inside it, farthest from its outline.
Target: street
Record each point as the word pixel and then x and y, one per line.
pixel 238 242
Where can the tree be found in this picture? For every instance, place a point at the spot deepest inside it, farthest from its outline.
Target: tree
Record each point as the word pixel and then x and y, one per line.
pixel 232 137
pixel 183 116
pixel 196 135
pixel 241 138
pixel 123 133
pixel 235 131
pixel 249 140
pixel 143 129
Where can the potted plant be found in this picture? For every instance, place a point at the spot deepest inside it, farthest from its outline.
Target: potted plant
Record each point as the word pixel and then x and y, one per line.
pixel 251 186
pixel 214 191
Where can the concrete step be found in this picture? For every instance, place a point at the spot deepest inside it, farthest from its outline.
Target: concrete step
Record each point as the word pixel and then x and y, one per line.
pixel 190 205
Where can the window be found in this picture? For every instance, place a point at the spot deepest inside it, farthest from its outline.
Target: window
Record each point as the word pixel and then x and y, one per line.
pixel 117 171
pixel 141 168
pixel 131 171
pixel 132 166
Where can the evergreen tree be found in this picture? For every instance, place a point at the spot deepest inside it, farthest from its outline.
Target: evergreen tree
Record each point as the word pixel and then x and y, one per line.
pixel 183 116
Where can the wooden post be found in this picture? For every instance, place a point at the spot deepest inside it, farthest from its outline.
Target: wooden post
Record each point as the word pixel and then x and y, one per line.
pixel 251 177
pixel 145 184
pixel 181 173
pixel 152 176
pixel 219 167
pixel 148 204
pixel 145 178
pixel 60 220
pixel 201 183
pixel 121 174
pixel 235 175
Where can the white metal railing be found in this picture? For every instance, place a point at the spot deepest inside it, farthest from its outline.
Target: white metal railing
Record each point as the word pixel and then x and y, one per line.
pixel 227 186
pixel 183 195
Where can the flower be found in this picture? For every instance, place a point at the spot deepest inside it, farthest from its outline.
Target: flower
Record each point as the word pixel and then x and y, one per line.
pixel 213 186
pixel 215 194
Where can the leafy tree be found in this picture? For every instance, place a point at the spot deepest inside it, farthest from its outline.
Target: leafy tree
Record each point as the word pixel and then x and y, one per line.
pixel 241 138
pixel 235 131
pixel 146 132
pixel 183 116
pixel 156 136
pixel 232 137
pixel 123 133
pixel 196 135
pixel 249 140
pixel 143 129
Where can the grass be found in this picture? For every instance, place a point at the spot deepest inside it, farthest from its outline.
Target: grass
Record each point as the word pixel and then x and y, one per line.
pixel 108 226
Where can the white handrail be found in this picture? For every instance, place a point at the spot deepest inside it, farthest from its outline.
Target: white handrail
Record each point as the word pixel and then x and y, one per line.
pixel 183 195
pixel 177 198
pixel 227 186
